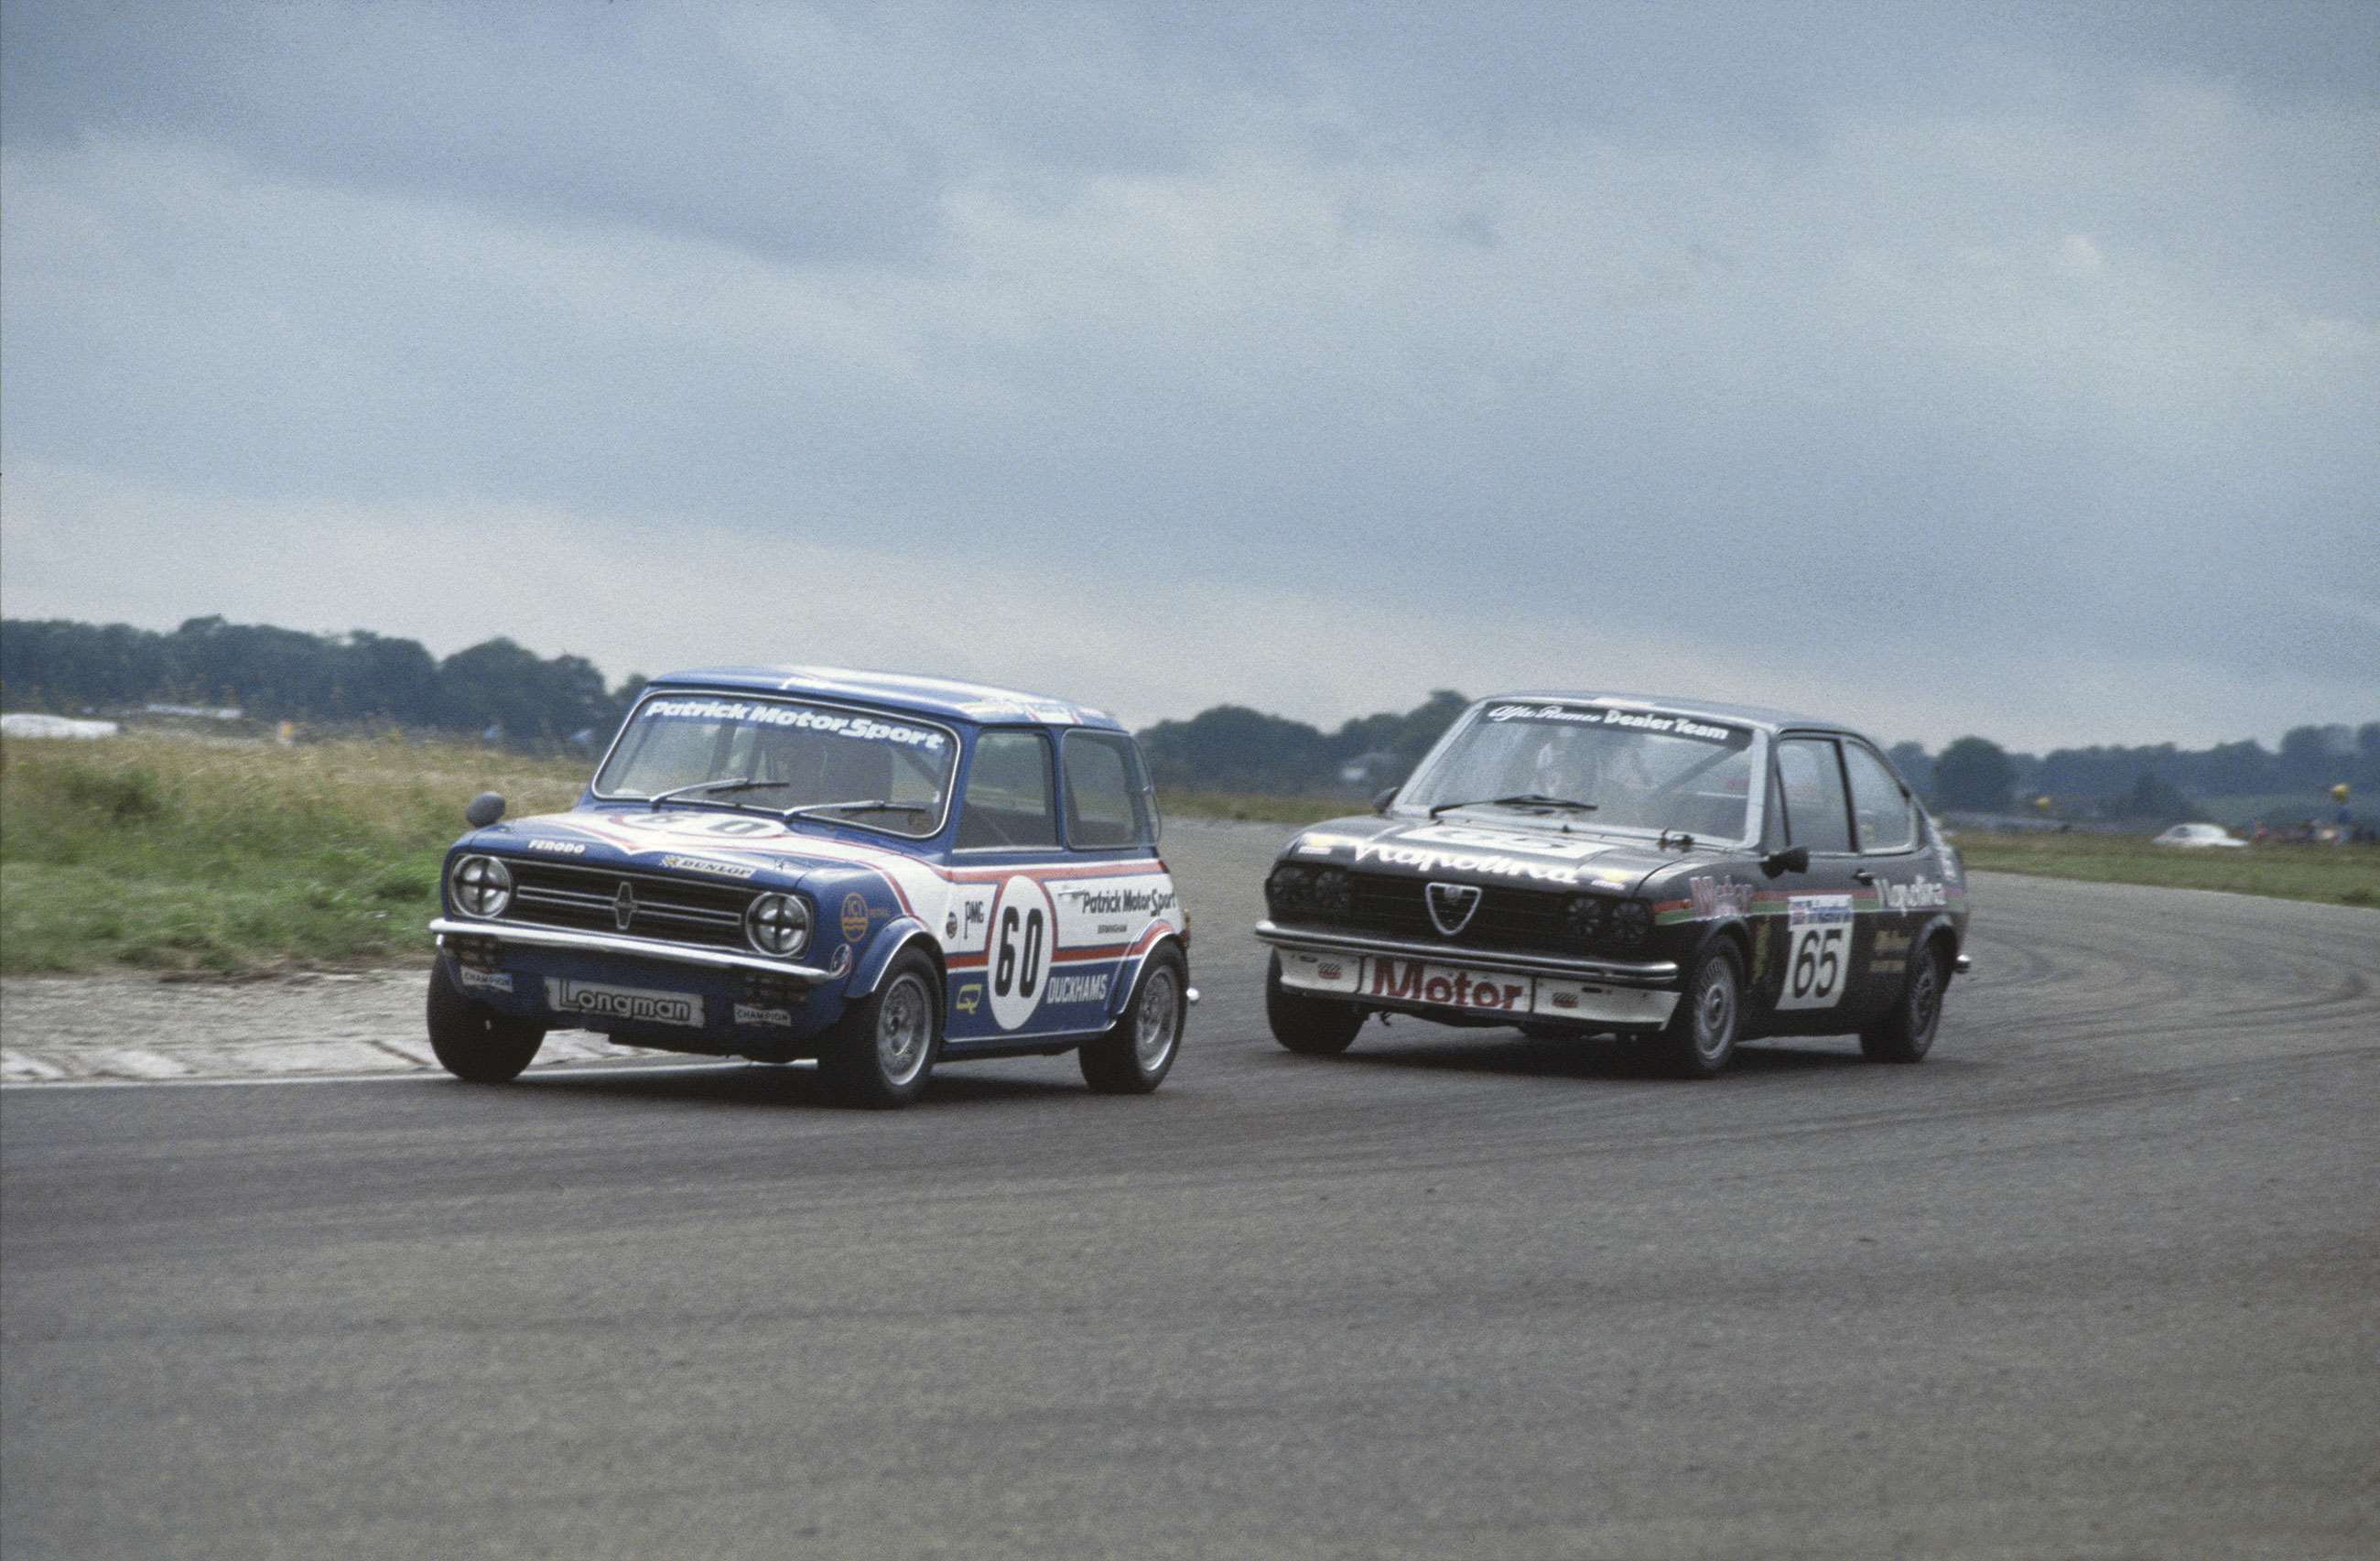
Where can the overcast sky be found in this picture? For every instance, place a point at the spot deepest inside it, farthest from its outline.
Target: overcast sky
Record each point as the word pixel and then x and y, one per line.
pixel 2014 372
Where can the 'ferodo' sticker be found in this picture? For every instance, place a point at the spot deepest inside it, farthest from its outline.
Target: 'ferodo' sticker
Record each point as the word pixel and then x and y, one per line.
pixel 1023 925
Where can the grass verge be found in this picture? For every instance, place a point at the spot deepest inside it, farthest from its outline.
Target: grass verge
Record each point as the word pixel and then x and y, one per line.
pixel 2339 874
pixel 232 858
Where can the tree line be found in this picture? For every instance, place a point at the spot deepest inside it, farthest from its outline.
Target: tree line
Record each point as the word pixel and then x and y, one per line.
pixel 283 674
pixel 280 673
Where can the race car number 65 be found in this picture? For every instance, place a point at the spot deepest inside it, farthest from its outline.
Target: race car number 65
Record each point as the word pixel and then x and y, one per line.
pixel 1819 930
pixel 1023 923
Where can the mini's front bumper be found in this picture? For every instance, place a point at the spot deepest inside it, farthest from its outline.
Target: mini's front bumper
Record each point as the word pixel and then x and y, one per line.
pixel 502 932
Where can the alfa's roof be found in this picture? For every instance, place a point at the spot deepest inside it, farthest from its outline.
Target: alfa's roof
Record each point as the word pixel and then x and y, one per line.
pixel 928 696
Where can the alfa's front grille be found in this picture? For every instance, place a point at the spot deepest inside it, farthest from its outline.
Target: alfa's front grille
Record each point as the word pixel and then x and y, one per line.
pixel 587 899
pixel 1526 921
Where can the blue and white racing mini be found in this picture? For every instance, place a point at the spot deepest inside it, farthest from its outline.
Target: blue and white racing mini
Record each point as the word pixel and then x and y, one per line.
pixel 882 873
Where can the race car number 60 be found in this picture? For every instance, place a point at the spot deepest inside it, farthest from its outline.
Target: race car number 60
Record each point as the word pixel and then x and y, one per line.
pixel 1023 923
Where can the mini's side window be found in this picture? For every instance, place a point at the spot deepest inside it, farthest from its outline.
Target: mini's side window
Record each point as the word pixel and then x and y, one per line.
pixel 1105 804
pixel 1886 823
pixel 1815 805
pixel 1008 801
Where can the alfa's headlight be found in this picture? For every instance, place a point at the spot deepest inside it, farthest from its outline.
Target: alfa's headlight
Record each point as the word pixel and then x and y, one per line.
pixel 1333 890
pixel 1290 889
pixel 1583 918
pixel 778 924
pixel 1631 923
pixel 483 885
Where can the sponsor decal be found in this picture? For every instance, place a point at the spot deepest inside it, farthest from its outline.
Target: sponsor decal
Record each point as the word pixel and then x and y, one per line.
pixel 1428 860
pixel 565 996
pixel 1892 943
pixel 484 980
pixel 1715 898
pixel 949 926
pixel 1411 980
pixel 760 714
pixel 855 917
pixel 1922 894
pixel 752 1013
pixel 704 864
pixel 1078 989
pixel 560 848
pixel 1120 902
pixel 970 997
pixel 1473 839
pixel 1564 999
pixel 1630 720
pixel 979 912
pixel 1331 969
pixel 1023 929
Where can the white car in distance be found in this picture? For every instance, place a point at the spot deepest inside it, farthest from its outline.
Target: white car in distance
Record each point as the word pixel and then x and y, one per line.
pixel 2194 836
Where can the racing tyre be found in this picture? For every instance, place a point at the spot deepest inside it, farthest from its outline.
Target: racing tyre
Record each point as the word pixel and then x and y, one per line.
pixel 1700 1037
pixel 1906 1034
pixel 474 1043
pixel 1313 1026
pixel 885 1044
pixel 1134 1056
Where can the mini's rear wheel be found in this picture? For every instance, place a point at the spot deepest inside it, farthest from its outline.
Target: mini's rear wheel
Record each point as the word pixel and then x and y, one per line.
pixel 1906 1033
pixel 1137 1052
pixel 1700 1036
pixel 472 1040
pixel 885 1044
pixel 1314 1027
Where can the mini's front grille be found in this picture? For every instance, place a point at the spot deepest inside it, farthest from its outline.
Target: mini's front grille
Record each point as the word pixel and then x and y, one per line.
pixel 587 899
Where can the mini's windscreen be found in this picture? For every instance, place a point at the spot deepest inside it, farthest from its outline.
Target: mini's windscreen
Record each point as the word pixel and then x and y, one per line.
pixel 878 772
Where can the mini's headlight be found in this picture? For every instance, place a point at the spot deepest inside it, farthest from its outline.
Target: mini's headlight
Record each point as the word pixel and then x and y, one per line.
pixel 1631 923
pixel 777 924
pixel 483 886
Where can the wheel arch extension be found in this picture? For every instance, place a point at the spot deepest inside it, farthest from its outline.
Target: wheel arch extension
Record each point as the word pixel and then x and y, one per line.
pixel 902 933
pixel 1128 973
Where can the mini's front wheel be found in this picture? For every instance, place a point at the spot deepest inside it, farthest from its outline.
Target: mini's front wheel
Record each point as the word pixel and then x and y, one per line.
pixel 1314 1027
pixel 885 1044
pixel 472 1040
pixel 1138 1050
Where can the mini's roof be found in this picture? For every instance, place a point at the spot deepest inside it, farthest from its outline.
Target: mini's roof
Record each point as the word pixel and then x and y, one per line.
pixel 929 696
pixel 1742 715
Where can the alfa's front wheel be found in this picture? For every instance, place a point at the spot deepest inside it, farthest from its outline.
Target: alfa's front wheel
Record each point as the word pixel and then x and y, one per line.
pixel 885 1044
pixel 1701 1034
pixel 472 1040
pixel 1138 1050
pixel 1314 1027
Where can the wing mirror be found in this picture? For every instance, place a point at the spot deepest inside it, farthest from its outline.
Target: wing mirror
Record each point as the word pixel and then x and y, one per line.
pixel 484 809
pixel 1794 860
pixel 1381 802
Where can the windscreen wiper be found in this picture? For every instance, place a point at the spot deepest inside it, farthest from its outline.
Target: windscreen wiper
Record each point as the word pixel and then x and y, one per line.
pixel 742 783
pixel 1526 799
pixel 878 805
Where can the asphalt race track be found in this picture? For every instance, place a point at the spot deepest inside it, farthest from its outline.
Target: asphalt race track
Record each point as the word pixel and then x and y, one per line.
pixel 2101 1278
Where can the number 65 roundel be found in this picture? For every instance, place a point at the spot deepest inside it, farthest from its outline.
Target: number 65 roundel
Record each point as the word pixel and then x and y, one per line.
pixel 1817 951
pixel 1023 928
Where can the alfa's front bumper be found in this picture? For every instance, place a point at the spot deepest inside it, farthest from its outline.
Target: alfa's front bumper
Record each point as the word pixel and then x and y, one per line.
pixel 1475 986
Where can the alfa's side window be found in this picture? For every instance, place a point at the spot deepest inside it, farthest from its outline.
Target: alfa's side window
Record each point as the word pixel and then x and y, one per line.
pixel 1008 800
pixel 1105 804
pixel 1886 823
pixel 1815 804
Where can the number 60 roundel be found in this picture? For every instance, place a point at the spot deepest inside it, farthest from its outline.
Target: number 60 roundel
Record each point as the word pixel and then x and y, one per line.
pixel 1023 929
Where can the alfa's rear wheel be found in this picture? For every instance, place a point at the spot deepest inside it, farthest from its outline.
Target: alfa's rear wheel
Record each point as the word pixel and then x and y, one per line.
pixel 1314 1027
pixel 1906 1034
pixel 1137 1052
pixel 1701 1034
pixel 472 1040
pixel 884 1046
